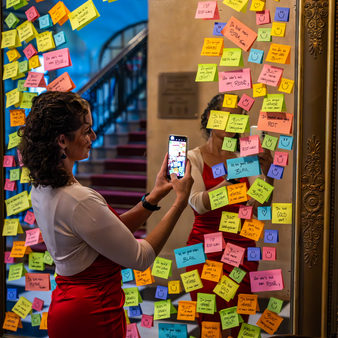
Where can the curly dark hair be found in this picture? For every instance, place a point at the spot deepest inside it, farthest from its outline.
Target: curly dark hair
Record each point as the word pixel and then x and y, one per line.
pixel 52 114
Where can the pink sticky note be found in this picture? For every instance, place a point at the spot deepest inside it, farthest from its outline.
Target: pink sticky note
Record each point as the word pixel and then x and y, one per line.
pixel 207 10
pixel 281 158
pixel 29 218
pixel 32 14
pixel 35 80
pixel 37 304
pixel 246 102
pixel 245 212
pixel 9 161
pixel 30 51
pixel 132 331
pixel 270 75
pixel 37 281
pixel 267 280
pixel 19 158
pixel 249 145
pixel 8 259
pixel 33 237
pixel 263 17
pixel 269 253
pixel 10 185
pixel 213 242
pixel 57 59
pixel 147 321
pixel 234 80
pixel 233 254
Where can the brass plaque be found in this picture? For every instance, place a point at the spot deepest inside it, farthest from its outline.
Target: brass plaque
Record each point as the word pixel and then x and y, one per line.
pixel 178 96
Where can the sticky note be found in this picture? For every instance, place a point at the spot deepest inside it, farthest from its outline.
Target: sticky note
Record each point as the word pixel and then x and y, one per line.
pixel 230 101
pixel 14 174
pixel 33 236
pixel 10 70
pixel 206 303
pixel 212 271
pixel 254 254
pixel 34 62
pixel 13 55
pixel 230 222
pixel 11 3
pixel 165 330
pixel 57 59
pixel 22 307
pixel 47 258
pixel 135 311
pixel 229 144
pixel 83 15
pixel 16 271
pixel 25 175
pixel 127 275
pixel 207 10
pixel 21 4
pixel 269 321
pixel 36 261
pixel 282 213
pixel 11 321
pixel 161 292
pixel 237 193
pixel 174 287
pixel 257 5
pixel 207 73
pixel 133 297
pixel 211 329
pixel 226 288
pixel 212 47
pixel 267 280
pixel 30 218
pixel 35 79
pixel 26 31
pixel 63 83
pixel 162 267
pixel 234 80
pixel 262 18
pixel 252 229
pixel 243 167
pixel 189 255
pixel 45 42
pixel 13 97
pixel 264 34
pixel 17 203
pixel 285 142
pixel 245 211
pixel 13 140
pixel 60 38
pixel 282 14
pixel 270 75
pixel 276 172
pixel 147 321
pixel 12 20
pixel 264 213
pixel 247 304
pixel 12 294
pixel 237 274
pixel 249 145
pixel 21 86
pixel 10 185
pixel 19 249
pixel 218 119
pixel 237 5
pixel 213 242
pixel 162 309
pixel 269 253
pixel 260 190
pixel 11 227
pixel 256 56
pixel 23 66
pixel 186 310
pixel 35 319
pixel 229 318
pixel 8 161
pixel 239 34
pixel 286 86
pixel 45 21
pixel 232 57
pixel 279 54
pixel 246 102
pixel 248 330
pixel 270 142
pixel 10 39
pixel 32 13
pixel 275 305
pixel 59 13
pixel 218 170
pixel 278 29
pixel 191 280
pixel 237 123
pixel 143 277
pixel 43 324
pixel 7 258
pixel 258 90
pixel 233 254
pixel 218 27
pixel 218 198
pixel 275 122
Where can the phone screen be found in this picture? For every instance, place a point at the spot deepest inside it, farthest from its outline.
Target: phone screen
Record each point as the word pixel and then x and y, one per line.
pixel 177 155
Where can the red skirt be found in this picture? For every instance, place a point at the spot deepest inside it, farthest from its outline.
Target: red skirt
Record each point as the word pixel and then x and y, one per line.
pixel 88 304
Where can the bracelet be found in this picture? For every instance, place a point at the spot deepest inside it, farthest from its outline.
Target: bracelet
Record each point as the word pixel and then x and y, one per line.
pixel 148 205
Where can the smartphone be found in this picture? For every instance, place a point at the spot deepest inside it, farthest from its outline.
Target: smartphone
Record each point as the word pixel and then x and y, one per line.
pixel 177 155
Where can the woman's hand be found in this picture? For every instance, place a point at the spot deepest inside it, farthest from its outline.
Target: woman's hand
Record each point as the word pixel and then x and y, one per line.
pixel 265 161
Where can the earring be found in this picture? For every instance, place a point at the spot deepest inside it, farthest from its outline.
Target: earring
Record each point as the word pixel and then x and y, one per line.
pixel 63 156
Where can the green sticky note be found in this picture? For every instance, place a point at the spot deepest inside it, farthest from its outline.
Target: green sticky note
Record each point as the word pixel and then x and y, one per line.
pixel 23 66
pixel 12 20
pixel 229 144
pixel 26 101
pixel 16 271
pixel 232 57
pixel 248 330
pixel 207 73
pixel 13 140
pixel 133 297
pixel 218 198
pixel 275 305
pixel 162 267
pixel 162 309
pixel 237 274
pixel 14 174
pixel 21 87
pixel 274 103
pixel 35 319
pixel 22 3
pixel 260 190
pixel 206 303
pixel 226 288
pixel 11 3
pixel 229 318
pixel 47 258
pixel 172 308
pixel 237 123
pixel 270 142
pixel 35 261
pixel 264 34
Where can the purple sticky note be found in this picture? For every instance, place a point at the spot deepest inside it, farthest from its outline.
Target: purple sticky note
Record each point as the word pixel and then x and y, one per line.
pixel 218 170
pixel 161 292
pixel 254 254
pixel 218 26
pixel 276 172
pixel 271 236
pixel 282 14
pixel 135 311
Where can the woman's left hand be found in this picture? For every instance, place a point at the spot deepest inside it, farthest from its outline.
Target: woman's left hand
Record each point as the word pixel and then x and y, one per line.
pixel 265 161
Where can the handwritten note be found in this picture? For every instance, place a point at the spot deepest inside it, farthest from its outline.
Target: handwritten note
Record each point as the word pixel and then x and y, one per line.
pixel 11 321
pixel 267 280
pixel 212 47
pixel 229 144
pixel 17 117
pixel 143 277
pixel 230 222
pixel 207 73
pixel 232 57
pixel 133 297
pixel 237 123
pixel 17 203
pixel 207 10
pixel 218 198
pixel 18 249
pixel 59 13
pixel 166 330
pixel 246 102
pixel 33 236
pixel 247 304
pixel 186 310
pixel 63 83
pixel 162 309
pixel 252 229
pixel 229 318
pixel 36 262
pixel 83 15
pixel 279 53
pixel 282 213
pixel 26 31
pixel 211 329
pixel 275 122
pixel 249 145
pixel 237 5
pixel 191 280
pixel 11 227
pixel 35 79
pixel 274 103
pixel 269 321
pixel 162 267
pixel 270 75
pixel 234 80
pixel 233 254
pixel 22 307
pixel 10 39
pixel 243 167
pixel 16 271
pixel 37 281
pixel 206 303
pixel 10 70
pixel 264 213
pixel 213 242
pixel 259 89
pixel 260 190
pixel 226 288
pixel 57 59
pixel 45 41
pixel 212 271
pixel 189 255
pixel 248 330
pixel 218 119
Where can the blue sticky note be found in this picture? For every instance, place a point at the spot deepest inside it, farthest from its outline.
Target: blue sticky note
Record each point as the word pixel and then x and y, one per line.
pixel 161 292
pixel 52 285
pixel 256 55
pixel 12 294
pixel 276 172
pixel 271 236
pixel 218 170
pixel 218 27
pixel 166 330
pixel 282 14
pixel 264 213
pixel 285 142
pixel 135 311
pixel 127 275
pixel 60 38
pixel 240 167
pixel 45 21
pixel 189 255
pixel 254 254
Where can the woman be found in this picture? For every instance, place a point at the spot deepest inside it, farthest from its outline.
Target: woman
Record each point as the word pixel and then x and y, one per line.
pixel 206 220
pixel 87 241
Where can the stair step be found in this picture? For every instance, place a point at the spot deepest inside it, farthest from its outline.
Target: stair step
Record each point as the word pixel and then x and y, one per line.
pixel 131 150
pixel 91 166
pixel 103 152
pixel 126 164
pixel 115 138
pixel 129 126
pixel 121 197
pixel 119 180
pixel 137 136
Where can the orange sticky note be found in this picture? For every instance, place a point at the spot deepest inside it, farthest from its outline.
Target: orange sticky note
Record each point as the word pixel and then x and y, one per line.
pixel 275 122
pixel 279 53
pixel 240 34
pixel 37 282
pixel 211 329
pixel 213 47
pixel 237 193
pixel 247 304
pixel 212 271
pixel 252 229
pixel 269 321
pixel 17 117
pixel 143 277
pixel 63 83
pixel 18 249
pixel 11 321
pixel 59 13
pixel 43 323
pixel 186 310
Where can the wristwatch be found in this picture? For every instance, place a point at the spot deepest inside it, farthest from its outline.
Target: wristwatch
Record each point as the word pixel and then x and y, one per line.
pixel 148 205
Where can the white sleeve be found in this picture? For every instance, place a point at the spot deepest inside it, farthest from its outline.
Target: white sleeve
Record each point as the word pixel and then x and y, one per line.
pixel 104 232
pixel 195 198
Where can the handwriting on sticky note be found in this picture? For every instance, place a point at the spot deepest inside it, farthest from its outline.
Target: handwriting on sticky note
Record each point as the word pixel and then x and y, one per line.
pixel 260 190
pixel 211 329
pixel 143 277
pixel 17 203
pixel 237 274
pixel 206 303
pixel 282 213
pixel 189 255
pixel 270 75
pixel 63 83
pixel 35 79
pixel 206 73
pixel 212 271
pixel 133 297
pixel 279 53
pixel 83 15
pixel 213 242
pixel 233 254
pixel 237 193
pixel 162 309
pixel 218 198
pixel 59 13
pixel 237 123
pixel 275 122
pixel 22 307
pixel 186 310
pixel 269 321
pixel 230 222
pixel 45 41
pixel 274 103
pixel 33 236
pixel 17 117
pixel 252 229
pixel 229 318
pixel 243 167
pixel 57 59
pixel 232 57
pixel 162 267
pixel 191 280
pixel 218 119
pixel 212 47
pixel 246 102
pixel 249 145
pixel 207 10
pixel 166 330
pixel 37 282
pixel 18 249
pixel 247 304
pixel 11 227
pixel 226 288
pixel 11 321
pixel 248 330
pixel 234 80
pixel 267 280
pixel 16 271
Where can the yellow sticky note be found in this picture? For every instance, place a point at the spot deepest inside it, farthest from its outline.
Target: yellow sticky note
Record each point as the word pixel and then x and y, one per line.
pixel 25 175
pixel 34 62
pixel 162 267
pixel 133 297
pixel 143 277
pixel 212 47
pixel 16 271
pixel 279 53
pixel 274 103
pixel 13 55
pixel 13 140
pixel 260 190
pixel 11 321
pixel 10 70
pixel 232 57
pixel 286 85
pixel 212 271
pixel 282 213
pixel 17 203
pixel 207 73
pixel 230 222
pixel 83 15
pixel 127 317
pixel 218 119
pixel 174 287
pixel 13 97
pixel 226 288
pixel 237 193
pixel 45 41
pixel 10 39
pixel 237 123
pixel 218 198
pixel 252 229
pixel 26 31
pixel 186 310
pixel 43 323
pixel 259 89
pixel 26 100
pixel 237 5
pixel 278 29
pixel 257 5
pixel 12 227
pixel 191 280
pixel 230 101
